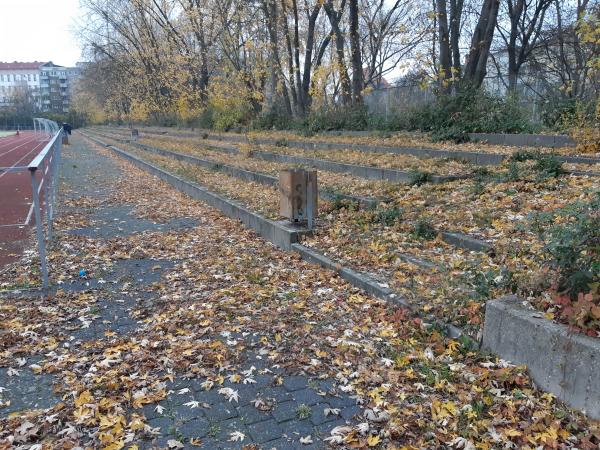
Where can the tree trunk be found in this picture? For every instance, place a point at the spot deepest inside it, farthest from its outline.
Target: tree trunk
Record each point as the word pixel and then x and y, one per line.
pixel 456 8
pixel 297 57
pixel 270 12
pixel 295 90
pixel 481 42
pixel 444 42
pixel 334 19
pixel 357 69
pixel 308 59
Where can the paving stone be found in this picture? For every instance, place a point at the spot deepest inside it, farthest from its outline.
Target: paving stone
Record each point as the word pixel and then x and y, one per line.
pixel 149 411
pixel 339 402
pixel 165 424
pixel 279 444
pixel 263 381
pixel 318 414
pixel 185 413
pixel 324 430
pixel 26 391
pixel 211 397
pixel 326 385
pixel 248 392
pixel 221 431
pixel 266 431
pixel 350 411
pixel 221 411
pixel 307 396
pixel 285 411
pixel 295 383
pixel 279 393
pixel 249 414
pixel 195 428
pixel 296 429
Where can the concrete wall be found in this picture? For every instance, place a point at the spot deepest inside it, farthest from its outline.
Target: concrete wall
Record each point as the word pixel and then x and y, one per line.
pixel 256 177
pixel 367 172
pixel 562 362
pixel 280 233
pixel 524 139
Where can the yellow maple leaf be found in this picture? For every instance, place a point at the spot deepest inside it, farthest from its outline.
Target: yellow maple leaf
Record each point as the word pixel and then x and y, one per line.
pixel 373 440
pixel 84 398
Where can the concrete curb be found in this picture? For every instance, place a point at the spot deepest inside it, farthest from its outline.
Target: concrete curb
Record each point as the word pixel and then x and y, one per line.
pixel 243 174
pixel 357 279
pixel 562 362
pixel 478 158
pixel 367 172
pixel 483 159
pixel 524 139
pixel 372 286
pixel 360 280
pixel 466 242
pixel 456 239
pixel 279 233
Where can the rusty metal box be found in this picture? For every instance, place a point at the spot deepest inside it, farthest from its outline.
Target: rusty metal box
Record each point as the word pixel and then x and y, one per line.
pixel 298 188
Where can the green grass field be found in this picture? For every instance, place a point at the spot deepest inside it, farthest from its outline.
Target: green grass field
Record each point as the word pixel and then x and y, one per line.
pixel 6 133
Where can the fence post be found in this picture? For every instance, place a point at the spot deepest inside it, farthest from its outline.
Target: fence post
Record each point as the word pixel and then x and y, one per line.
pixel 39 229
pixel 53 177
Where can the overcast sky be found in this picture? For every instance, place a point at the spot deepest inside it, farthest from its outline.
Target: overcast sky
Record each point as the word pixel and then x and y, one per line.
pixel 39 30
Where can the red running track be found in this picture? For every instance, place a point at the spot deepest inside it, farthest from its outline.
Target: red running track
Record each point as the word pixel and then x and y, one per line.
pixel 16 212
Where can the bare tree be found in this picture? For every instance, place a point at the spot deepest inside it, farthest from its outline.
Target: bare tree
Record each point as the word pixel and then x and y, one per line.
pixel 481 42
pixel 526 20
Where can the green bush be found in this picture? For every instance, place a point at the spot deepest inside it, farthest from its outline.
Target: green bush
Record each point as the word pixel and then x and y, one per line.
pixel 389 216
pixel 452 117
pixel 273 121
pixel 557 113
pixel 573 245
pixel 424 230
pixel 547 165
pixel 418 178
pixel 342 118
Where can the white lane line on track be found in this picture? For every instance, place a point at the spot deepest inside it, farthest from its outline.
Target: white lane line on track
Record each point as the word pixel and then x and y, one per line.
pixel 23 157
pixel 30 212
pixel 17 148
pixel 15 140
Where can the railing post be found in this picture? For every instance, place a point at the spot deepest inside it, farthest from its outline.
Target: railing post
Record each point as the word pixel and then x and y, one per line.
pixel 53 179
pixel 39 229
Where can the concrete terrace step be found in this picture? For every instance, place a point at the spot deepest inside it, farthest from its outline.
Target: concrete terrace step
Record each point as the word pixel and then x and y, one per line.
pixel 478 158
pixel 248 175
pixel 456 239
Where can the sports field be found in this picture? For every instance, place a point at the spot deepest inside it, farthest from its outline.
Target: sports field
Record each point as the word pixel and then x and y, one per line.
pixel 15 192
pixel 6 133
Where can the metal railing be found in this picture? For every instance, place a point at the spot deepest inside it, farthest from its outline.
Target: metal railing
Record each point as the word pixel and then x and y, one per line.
pixel 43 170
pixel 49 127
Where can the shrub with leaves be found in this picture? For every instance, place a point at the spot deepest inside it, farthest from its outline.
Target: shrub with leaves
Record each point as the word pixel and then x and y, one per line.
pixel 418 178
pixel 389 216
pixel 424 230
pixel 584 312
pixel 573 245
pixel 452 117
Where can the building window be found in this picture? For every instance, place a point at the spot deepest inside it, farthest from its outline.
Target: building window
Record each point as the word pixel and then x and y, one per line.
pixel 34 77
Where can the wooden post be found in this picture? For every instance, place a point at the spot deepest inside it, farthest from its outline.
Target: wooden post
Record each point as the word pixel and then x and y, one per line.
pixel 299 195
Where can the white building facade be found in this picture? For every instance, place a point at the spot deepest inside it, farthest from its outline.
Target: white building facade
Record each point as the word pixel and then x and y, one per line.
pixel 19 78
pixel 47 85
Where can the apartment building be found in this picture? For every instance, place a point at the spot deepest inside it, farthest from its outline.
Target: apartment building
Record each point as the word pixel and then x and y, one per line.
pixel 19 78
pixel 47 85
